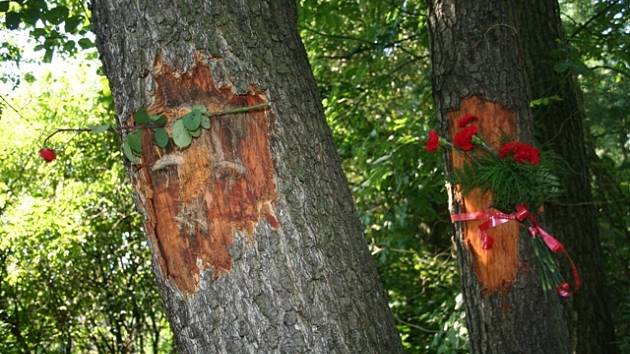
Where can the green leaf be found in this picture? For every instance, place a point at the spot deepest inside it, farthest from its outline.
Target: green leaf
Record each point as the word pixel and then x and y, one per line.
pixel 142 117
pixel 38 4
pixel 72 23
pixel 48 54
pixel 12 20
pixel 195 133
pixel 161 137
pixel 205 122
pixel 159 120
pixel 135 141
pixel 181 136
pixel 29 77
pixel 200 109
pixel 192 120
pixel 69 46
pixel 85 43
pixel 4 6
pixel 544 101
pixel 38 32
pixel 129 154
pixel 31 14
pixel 100 128
pixel 56 15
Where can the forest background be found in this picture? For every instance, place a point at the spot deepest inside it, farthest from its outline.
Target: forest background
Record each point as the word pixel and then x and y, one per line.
pixel 75 273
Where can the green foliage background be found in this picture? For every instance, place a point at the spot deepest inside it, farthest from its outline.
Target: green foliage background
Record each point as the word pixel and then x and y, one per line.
pixel 74 266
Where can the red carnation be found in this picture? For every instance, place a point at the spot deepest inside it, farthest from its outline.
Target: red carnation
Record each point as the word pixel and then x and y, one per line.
pixel 463 138
pixel 433 141
pixel 486 242
pixel 564 290
pixel 47 154
pixel 520 152
pixel 466 119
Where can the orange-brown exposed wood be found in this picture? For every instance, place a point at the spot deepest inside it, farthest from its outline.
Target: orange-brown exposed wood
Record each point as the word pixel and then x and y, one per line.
pixel 198 198
pixel 496 268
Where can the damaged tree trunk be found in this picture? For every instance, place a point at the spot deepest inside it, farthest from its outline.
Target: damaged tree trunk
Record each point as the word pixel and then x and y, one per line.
pixel 256 245
pixel 478 69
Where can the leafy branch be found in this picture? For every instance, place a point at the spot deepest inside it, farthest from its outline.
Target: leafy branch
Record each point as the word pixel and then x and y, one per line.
pixel 183 129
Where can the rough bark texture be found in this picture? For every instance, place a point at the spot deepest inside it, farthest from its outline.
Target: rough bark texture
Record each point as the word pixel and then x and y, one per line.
pixel 256 245
pixel 560 125
pixel 478 69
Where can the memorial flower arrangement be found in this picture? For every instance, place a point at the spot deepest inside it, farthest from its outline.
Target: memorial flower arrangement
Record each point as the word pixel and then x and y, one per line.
pixel 520 179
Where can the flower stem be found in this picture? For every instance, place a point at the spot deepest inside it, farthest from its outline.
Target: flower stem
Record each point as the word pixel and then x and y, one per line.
pixel 256 107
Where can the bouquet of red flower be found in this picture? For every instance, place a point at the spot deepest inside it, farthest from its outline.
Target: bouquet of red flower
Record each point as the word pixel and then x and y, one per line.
pixel 520 179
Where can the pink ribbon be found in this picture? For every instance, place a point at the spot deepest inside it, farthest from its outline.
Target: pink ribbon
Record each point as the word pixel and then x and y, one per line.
pixel 495 218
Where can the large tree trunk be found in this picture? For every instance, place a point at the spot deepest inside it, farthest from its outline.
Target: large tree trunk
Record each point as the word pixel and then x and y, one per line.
pixel 256 245
pixel 560 124
pixel 478 69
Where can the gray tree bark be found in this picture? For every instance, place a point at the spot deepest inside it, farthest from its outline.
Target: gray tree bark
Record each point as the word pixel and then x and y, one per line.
pixel 560 124
pixel 257 248
pixel 478 69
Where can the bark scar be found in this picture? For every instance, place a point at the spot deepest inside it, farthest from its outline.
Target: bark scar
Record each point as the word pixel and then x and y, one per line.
pixel 198 198
pixel 497 267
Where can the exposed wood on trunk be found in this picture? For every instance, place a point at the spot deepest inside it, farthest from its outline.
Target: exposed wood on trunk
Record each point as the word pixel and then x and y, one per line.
pixel 475 53
pixel 301 279
pixel 496 268
pixel 222 184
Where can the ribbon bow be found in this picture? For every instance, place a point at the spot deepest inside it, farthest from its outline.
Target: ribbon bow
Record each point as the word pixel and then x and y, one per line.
pixel 495 218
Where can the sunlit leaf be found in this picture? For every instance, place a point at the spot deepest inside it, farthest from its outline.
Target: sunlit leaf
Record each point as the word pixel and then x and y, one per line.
pixel 161 137
pixel 142 117
pixel 181 136
pixel 159 120
pixel 205 122
pixel 134 139
pixel 129 153
pixel 196 133
pixel 192 120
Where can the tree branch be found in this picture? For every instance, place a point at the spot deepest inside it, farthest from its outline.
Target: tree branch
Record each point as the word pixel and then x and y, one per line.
pixel 588 22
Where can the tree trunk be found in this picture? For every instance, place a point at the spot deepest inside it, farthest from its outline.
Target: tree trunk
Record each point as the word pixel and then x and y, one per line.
pixel 478 69
pixel 257 248
pixel 560 124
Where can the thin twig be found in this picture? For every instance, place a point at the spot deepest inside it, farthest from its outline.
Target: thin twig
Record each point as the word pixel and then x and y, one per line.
pixel 256 107
pixel 415 325
pixel 611 68
pixel 338 36
pixel 588 22
pixel 65 130
pixel 11 106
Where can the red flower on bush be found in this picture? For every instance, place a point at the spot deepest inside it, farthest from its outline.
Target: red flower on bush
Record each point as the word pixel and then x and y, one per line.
pixel 466 119
pixel 47 154
pixel 463 138
pixel 520 152
pixel 433 141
